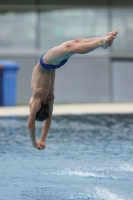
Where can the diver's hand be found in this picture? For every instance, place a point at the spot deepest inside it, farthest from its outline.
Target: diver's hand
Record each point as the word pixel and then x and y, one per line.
pixel 40 144
pixel 34 144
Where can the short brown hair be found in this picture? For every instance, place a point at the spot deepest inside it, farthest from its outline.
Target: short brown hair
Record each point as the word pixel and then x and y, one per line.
pixel 43 113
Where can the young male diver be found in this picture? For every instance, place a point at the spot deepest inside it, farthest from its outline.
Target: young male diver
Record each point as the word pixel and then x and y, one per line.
pixel 43 78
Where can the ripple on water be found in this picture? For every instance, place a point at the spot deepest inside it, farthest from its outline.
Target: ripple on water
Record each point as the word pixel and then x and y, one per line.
pixel 88 157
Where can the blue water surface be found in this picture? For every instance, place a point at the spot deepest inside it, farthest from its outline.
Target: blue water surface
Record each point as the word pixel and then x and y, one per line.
pixel 88 157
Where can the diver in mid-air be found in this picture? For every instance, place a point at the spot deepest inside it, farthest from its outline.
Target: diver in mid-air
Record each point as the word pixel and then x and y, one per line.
pixel 43 78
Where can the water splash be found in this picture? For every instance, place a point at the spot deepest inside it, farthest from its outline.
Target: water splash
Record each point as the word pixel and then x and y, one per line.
pixel 126 166
pixel 105 194
pixel 79 173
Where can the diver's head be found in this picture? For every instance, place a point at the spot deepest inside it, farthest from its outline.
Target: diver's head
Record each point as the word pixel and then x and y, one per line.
pixel 43 113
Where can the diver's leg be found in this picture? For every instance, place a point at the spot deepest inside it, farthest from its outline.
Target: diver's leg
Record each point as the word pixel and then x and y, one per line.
pixel 86 40
pixel 67 49
pixel 83 48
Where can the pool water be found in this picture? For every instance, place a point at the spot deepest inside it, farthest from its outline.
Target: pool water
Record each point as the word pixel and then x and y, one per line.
pixel 88 157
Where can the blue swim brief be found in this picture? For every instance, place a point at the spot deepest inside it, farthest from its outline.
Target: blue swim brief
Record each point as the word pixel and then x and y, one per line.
pixel 49 66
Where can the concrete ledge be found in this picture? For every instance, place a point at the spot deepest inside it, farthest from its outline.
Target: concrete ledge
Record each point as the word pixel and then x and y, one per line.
pixel 64 109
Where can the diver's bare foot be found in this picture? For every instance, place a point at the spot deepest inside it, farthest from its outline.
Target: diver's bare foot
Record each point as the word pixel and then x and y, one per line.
pixel 105 40
pixel 114 33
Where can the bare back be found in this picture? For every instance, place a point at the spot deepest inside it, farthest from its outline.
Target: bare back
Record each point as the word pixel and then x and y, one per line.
pixel 42 81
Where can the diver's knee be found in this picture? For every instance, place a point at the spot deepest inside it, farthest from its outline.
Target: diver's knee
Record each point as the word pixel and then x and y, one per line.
pixel 77 40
